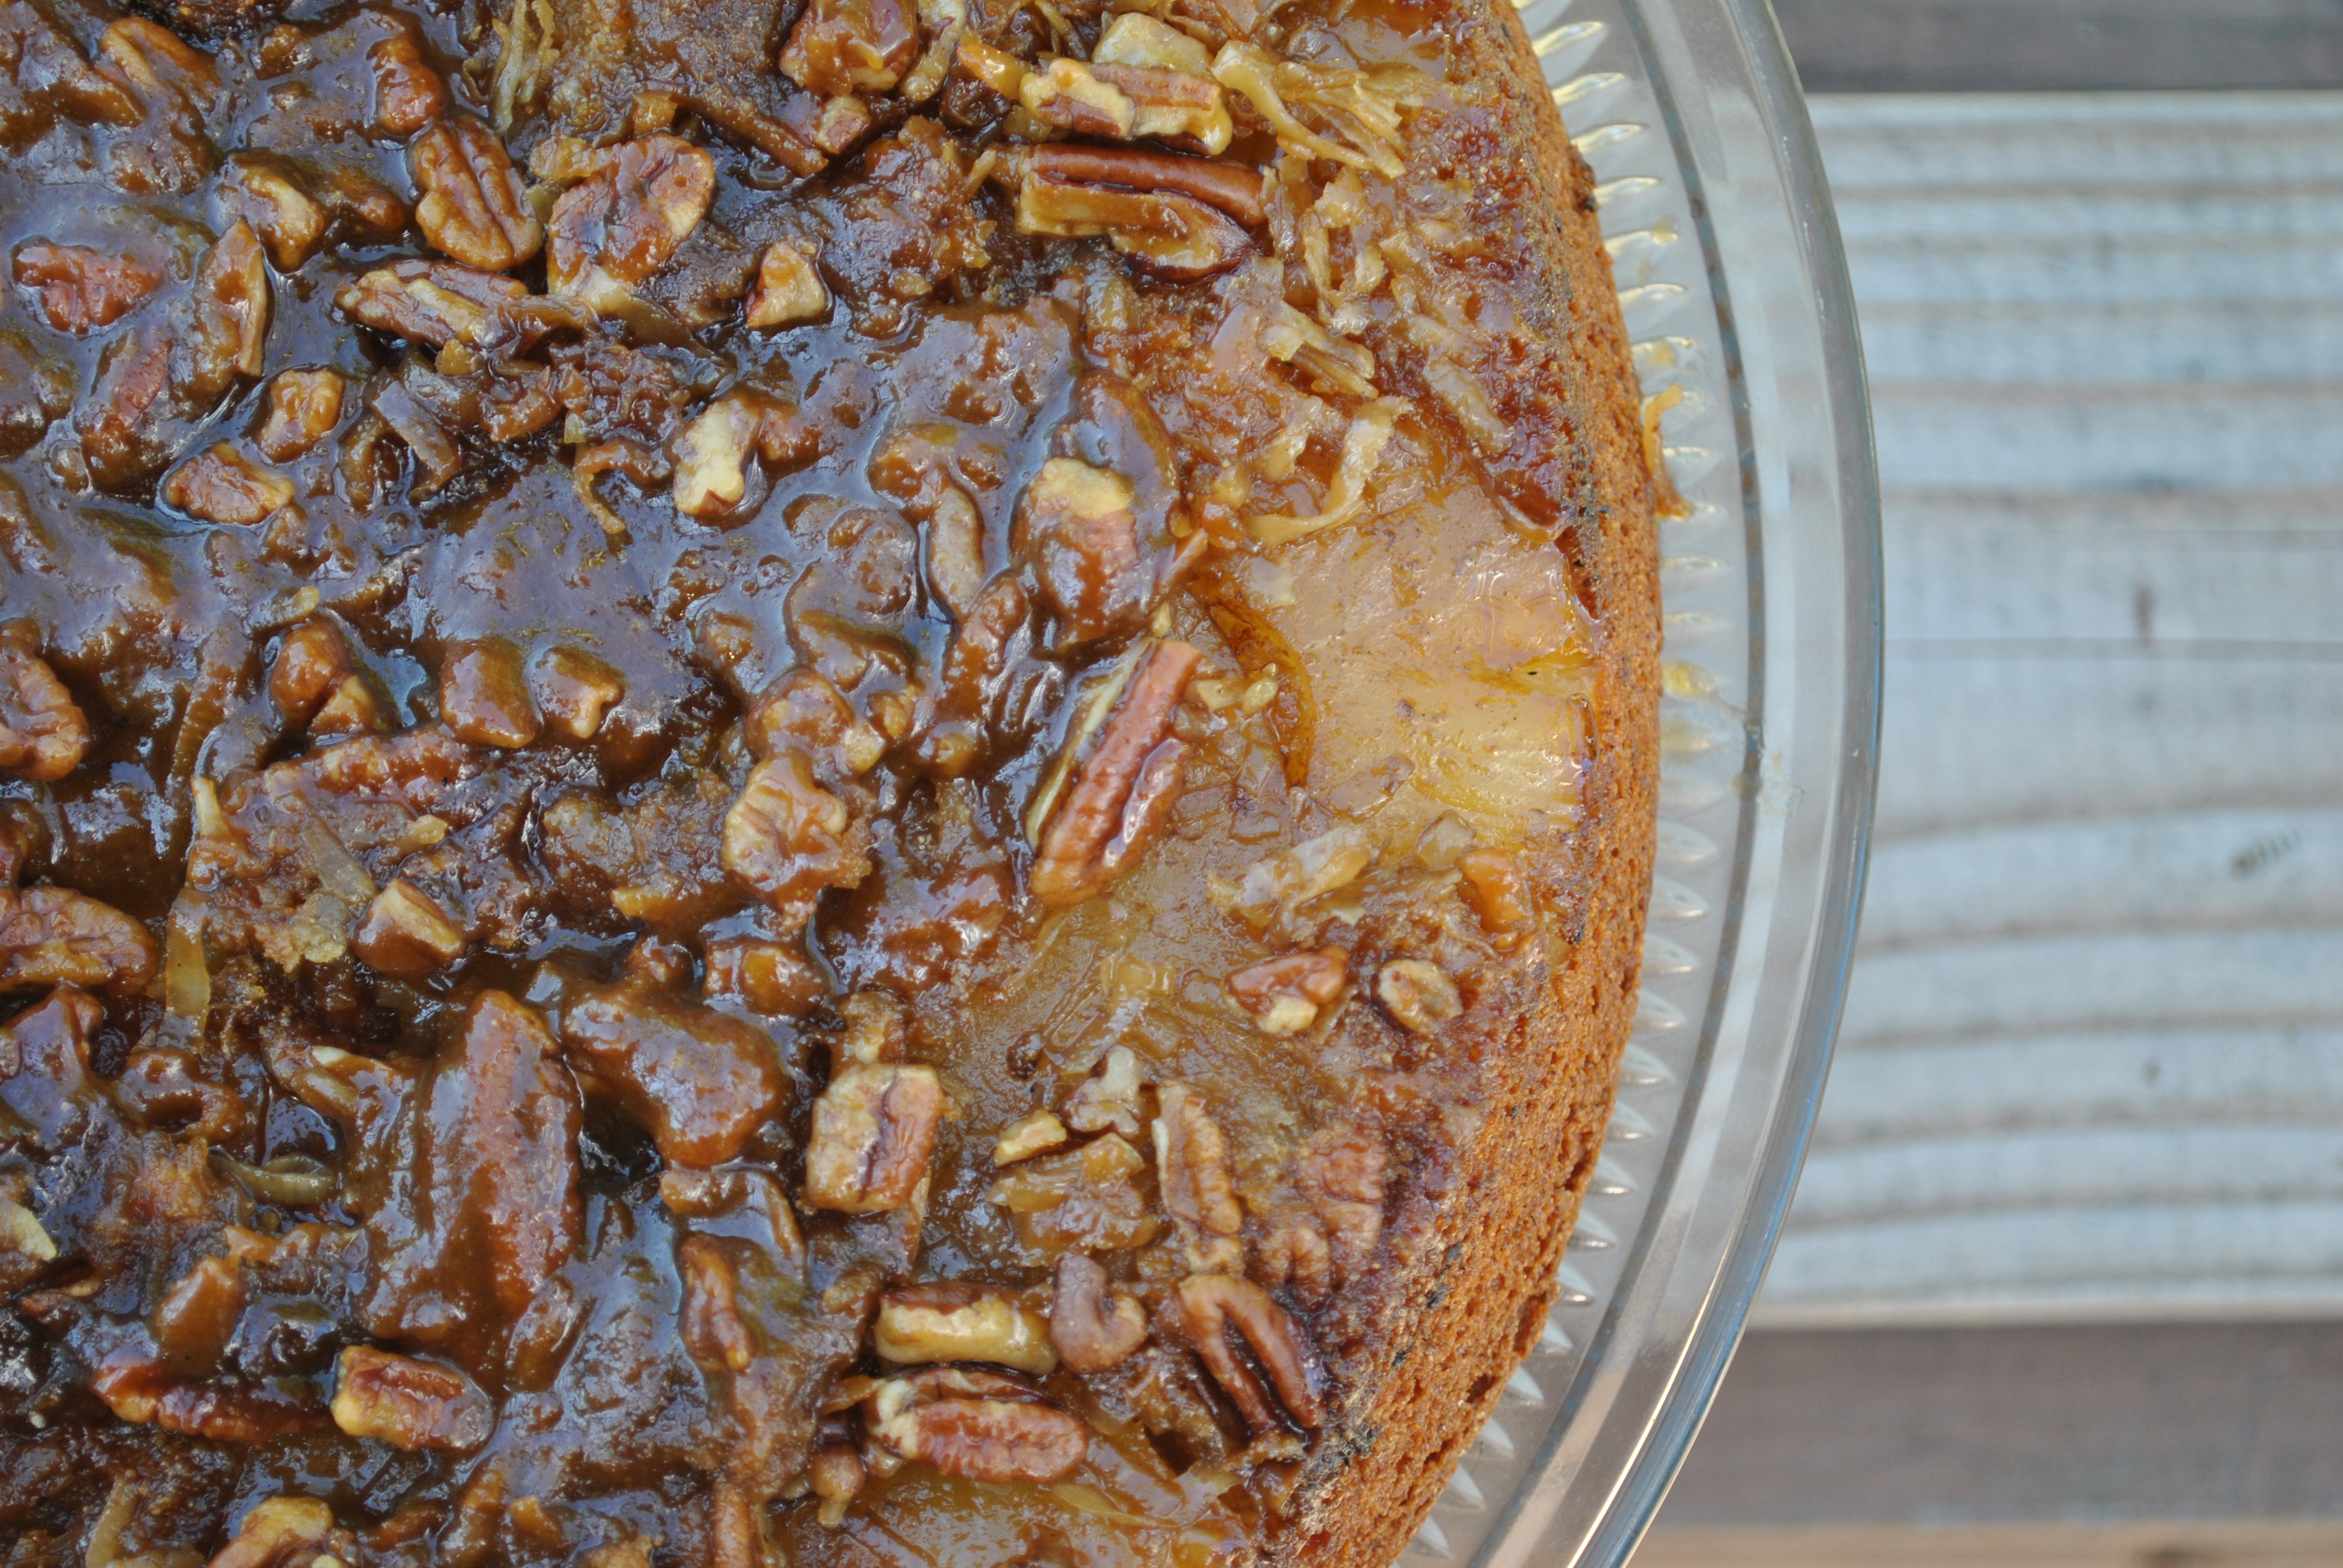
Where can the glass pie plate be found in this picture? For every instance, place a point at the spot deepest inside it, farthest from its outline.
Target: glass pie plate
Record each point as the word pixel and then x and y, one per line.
pixel 1720 228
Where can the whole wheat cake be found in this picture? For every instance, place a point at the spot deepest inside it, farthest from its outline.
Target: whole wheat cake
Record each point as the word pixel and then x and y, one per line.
pixel 799 782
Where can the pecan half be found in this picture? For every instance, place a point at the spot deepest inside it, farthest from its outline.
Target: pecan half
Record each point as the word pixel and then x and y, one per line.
pixel 408 1404
pixel 474 206
pixel 1177 238
pixel 1206 1307
pixel 1419 996
pixel 958 1321
pixel 304 406
pixel 613 230
pixel 997 1440
pixel 55 937
pixel 1284 994
pixel 81 288
pixel 44 734
pixel 221 485
pixel 1093 1325
pixel 1120 799
pixel 436 303
pixel 874 1130
pixel 1191 1163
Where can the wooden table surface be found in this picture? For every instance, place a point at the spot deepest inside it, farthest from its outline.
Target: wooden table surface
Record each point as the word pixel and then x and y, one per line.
pixel 2064 1280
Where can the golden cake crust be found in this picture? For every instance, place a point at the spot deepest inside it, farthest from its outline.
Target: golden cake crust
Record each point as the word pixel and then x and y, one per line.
pixel 1473 1301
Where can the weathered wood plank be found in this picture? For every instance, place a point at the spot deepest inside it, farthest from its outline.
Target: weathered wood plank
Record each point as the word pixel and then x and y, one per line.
pixel 1964 45
pixel 2168 870
pixel 2162 1076
pixel 2098 140
pixel 2021 736
pixel 2093 1053
pixel 2189 1543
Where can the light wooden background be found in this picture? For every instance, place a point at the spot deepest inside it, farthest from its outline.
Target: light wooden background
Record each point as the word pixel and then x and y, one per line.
pixel 2092 1063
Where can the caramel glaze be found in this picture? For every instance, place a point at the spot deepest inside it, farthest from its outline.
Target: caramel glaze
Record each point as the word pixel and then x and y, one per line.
pixel 740 820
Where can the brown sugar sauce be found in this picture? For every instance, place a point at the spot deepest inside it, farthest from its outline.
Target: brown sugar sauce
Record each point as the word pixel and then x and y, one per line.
pixel 758 765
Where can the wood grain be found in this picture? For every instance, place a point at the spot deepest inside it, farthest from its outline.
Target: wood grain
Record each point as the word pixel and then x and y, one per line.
pixel 2092 1061
pixel 1965 45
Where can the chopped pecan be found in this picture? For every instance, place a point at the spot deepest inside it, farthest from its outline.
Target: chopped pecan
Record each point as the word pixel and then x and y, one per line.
pixel 408 94
pixel 713 1329
pixel 27 1250
pixel 1093 1325
pixel 836 1476
pixel 786 839
pixel 997 1440
pixel 154 62
pixel 1493 885
pixel 1028 1136
pixel 304 406
pixel 44 734
pixel 1206 1307
pixel 803 707
pixel 196 1317
pixel 1120 799
pixel 408 1404
pixel 1108 1098
pixel 1284 994
pixel 701 1082
pixel 1341 1174
pixel 83 289
pixel 1145 80
pixel 406 933
pixel 612 231
pixel 436 303
pixel 789 288
pixel 474 206
pixel 1087 1197
pixel 878 1029
pixel 142 1391
pixel 1419 996
pixel 55 937
pixel 1279 887
pixel 574 690
pixel 844 46
pixel 713 452
pixel 269 194
pixel 874 1129
pixel 317 686
pixel 221 485
pixel 287 1533
pixel 958 1321
pixel 1182 218
pixel 228 322
pixel 767 977
pixel 956 552
pixel 1191 1165
pixel 746 1204
pixel 483 693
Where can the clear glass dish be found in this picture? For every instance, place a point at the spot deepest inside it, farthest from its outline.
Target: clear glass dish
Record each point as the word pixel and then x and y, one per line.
pixel 1728 255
